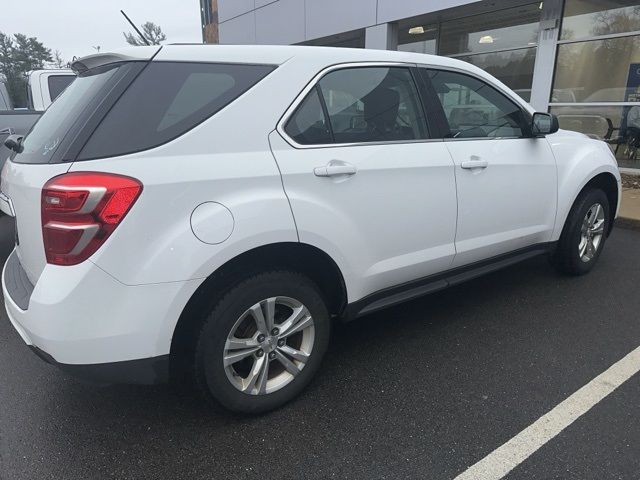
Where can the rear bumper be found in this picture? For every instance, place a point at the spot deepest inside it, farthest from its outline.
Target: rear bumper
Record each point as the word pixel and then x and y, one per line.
pixel 89 324
pixel 146 371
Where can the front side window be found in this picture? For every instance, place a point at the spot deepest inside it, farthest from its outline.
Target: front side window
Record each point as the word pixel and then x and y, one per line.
pixel 166 100
pixel 474 109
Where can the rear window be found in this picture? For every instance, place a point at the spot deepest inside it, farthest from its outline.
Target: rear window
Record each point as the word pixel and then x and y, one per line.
pixel 166 100
pixel 46 136
pixel 58 83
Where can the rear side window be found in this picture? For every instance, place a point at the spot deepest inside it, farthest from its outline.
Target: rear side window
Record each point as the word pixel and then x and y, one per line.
pixel 58 83
pixel 373 104
pixel 166 100
pixel 308 126
pixel 363 104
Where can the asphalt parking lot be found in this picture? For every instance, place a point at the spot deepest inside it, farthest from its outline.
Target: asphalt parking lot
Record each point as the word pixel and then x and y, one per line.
pixel 423 390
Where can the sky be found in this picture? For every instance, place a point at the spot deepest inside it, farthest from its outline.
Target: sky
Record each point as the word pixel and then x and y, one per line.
pixel 74 27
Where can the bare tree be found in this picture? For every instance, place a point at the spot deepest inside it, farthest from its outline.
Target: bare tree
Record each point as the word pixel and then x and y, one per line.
pixel 58 61
pixel 150 31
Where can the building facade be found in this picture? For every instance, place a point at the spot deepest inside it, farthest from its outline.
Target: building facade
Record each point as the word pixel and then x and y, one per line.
pixel 579 59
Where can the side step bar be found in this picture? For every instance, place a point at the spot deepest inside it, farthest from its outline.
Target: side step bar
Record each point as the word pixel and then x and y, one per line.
pixel 434 283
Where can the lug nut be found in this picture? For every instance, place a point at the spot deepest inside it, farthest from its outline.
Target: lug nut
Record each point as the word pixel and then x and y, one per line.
pixel 272 355
pixel 281 342
pixel 275 331
pixel 260 353
pixel 261 338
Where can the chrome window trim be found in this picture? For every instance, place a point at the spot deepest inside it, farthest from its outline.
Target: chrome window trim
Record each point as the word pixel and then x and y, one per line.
pixel 312 84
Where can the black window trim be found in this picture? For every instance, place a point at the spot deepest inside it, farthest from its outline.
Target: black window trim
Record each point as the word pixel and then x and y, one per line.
pixel 433 104
pixel 293 107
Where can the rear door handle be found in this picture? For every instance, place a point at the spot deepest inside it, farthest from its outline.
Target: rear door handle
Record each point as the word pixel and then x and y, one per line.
pixel 471 164
pixel 335 168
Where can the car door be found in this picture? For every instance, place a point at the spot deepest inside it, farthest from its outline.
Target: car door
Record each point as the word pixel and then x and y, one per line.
pixel 506 178
pixel 366 183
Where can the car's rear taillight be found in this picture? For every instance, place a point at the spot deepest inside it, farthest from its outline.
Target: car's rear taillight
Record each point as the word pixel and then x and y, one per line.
pixel 80 210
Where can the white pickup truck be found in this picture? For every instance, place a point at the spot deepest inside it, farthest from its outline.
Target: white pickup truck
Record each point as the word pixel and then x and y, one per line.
pixel 43 88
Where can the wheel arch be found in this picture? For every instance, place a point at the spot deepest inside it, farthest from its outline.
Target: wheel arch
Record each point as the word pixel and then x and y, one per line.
pixel 609 185
pixel 603 179
pixel 299 257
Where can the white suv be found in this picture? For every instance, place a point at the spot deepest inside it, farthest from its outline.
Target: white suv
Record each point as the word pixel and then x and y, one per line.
pixel 214 208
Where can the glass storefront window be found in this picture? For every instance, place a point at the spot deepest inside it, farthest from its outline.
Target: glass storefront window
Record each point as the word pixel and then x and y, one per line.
pixel 592 18
pixel 417 38
pixel 598 71
pixel 502 29
pixel 619 126
pixel 353 39
pixel 513 67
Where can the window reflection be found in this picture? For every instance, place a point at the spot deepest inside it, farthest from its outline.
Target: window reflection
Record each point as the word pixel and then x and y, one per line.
pixel 619 126
pixel 513 68
pixel 597 71
pixel 418 38
pixel 510 28
pixel 423 46
pixel 591 18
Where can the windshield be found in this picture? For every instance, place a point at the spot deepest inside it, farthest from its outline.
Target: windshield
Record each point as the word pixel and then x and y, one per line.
pixel 45 136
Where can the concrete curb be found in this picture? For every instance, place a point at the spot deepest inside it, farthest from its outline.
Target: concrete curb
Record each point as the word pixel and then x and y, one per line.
pixel 628 223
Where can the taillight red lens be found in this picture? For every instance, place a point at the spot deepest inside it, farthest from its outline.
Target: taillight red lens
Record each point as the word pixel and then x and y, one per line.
pixel 80 210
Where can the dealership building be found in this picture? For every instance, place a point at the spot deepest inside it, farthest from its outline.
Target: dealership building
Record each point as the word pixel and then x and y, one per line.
pixel 579 59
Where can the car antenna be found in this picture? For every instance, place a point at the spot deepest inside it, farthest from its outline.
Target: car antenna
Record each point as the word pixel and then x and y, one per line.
pixel 135 28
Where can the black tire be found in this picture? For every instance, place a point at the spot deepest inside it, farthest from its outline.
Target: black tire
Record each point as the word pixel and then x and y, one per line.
pixel 566 257
pixel 210 374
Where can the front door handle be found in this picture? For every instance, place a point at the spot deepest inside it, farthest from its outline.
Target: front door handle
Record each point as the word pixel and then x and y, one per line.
pixel 471 164
pixel 335 168
pixel 7 131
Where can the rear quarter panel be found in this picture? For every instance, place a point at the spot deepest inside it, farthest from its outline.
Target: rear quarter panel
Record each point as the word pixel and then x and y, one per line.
pixel 227 160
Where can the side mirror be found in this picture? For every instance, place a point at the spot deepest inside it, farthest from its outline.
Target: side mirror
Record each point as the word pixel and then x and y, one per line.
pixel 14 142
pixel 544 124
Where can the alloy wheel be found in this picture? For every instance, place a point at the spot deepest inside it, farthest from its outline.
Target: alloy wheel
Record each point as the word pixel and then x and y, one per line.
pixel 269 345
pixel 591 233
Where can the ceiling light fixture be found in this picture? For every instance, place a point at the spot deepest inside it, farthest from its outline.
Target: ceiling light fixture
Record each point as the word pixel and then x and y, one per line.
pixel 486 39
pixel 416 30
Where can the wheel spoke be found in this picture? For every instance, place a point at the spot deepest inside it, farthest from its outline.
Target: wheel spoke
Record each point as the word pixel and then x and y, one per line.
pixel 301 325
pixel 295 354
pixel 592 214
pixel 287 364
pixel 598 228
pixel 235 343
pixel 269 307
pixel 258 316
pixel 238 355
pixel 299 320
pixel 583 247
pixel 257 379
pixel 591 249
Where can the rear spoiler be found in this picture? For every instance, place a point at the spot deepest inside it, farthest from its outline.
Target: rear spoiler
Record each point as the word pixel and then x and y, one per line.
pixel 83 64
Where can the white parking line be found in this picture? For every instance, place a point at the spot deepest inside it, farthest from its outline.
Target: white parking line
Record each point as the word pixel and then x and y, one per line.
pixel 505 458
